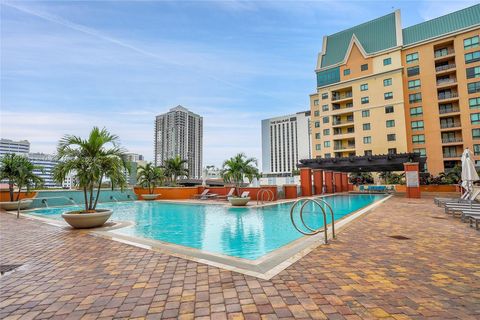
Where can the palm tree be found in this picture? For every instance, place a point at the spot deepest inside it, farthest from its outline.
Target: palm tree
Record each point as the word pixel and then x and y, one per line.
pixel 150 176
pixel 90 161
pixel 175 168
pixel 237 168
pixel 18 170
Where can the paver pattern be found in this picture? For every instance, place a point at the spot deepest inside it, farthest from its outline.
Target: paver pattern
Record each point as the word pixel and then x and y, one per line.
pixel 364 274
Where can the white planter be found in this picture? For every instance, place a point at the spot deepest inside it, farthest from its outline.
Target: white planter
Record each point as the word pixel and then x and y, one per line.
pixel 13 205
pixel 149 196
pixel 238 202
pixel 87 220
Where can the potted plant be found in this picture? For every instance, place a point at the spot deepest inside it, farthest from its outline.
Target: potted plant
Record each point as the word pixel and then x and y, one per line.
pixel 175 168
pixel 234 171
pixel 90 161
pixel 18 171
pixel 149 177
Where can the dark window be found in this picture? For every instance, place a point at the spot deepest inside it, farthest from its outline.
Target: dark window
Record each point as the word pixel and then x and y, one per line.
pixel 392 151
pixel 388 95
pixel 412 57
pixel 473 87
pixel 365 113
pixel 364 100
pixel 472 57
pixel 389 109
pixel 417 111
pixel 413 71
pixel 364 67
pixel 387 82
pixel 415 97
pixel 366 126
pixel 368 153
pixel 473 72
pixel 387 61
pixel 324 96
pixel 419 138
pixel 474 103
pixel 325 107
pixel 391 137
pixel 346 72
pixel 476 133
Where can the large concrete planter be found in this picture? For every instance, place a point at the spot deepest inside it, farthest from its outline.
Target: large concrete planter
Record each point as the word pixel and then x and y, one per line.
pixel 87 220
pixel 13 205
pixel 149 196
pixel 238 202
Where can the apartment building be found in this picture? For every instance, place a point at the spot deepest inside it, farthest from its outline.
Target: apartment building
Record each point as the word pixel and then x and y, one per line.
pixel 383 89
pixel 21 147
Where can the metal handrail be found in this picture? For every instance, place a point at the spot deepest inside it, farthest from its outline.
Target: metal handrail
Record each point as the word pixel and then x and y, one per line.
pixel 262 192
pixel 332 214
pixel 314 231
pixel 43 198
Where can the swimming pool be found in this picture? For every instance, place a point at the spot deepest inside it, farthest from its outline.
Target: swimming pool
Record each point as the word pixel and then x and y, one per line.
pixel 246 233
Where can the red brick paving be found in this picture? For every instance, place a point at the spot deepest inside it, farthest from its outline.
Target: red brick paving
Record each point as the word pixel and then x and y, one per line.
pixel 364 274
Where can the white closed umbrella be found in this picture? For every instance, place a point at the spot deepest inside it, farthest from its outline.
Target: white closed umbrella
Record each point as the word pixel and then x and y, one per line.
pixel 469 173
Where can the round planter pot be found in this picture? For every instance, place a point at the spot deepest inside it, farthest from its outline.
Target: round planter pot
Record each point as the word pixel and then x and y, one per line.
pixel 149 196
pixel 238 202
pixel 13 205
pixel 87 220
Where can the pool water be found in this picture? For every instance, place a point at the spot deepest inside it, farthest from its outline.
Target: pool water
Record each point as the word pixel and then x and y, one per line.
pixel 248 233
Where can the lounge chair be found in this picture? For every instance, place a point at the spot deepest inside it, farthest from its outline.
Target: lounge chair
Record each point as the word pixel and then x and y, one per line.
pixel 229 194
pixel 245 194
pixel 467 197
pixel 452 207
pixel 204 195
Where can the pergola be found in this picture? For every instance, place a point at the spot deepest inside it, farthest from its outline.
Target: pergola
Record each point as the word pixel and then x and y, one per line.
pixel 373 163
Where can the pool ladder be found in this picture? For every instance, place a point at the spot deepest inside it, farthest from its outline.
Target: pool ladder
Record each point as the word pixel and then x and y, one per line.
pixel 265 192
pixel 318 202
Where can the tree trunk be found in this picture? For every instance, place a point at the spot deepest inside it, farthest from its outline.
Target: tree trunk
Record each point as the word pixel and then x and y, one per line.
pixel 86 198
pixel 90 202
pixel 98 192
pixel 19 190
pixel 10 189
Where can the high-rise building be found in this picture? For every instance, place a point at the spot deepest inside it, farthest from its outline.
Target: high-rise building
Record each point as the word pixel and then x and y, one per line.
pixel 180 132
pixel 134 160
pixel 45 164
pixel 285 140
pixel 21 147
pixel 383 89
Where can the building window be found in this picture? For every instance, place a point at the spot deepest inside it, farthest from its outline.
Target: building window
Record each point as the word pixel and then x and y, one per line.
pixel 417 125
pixel 364 67
pixel 367 140
pixel 470 43
pixel 317 135
pixel 324 96
pixel 392 151
pixel 476 133
pixel 326 119
pixel 387 61
pixel 326 132
pixel 473 87
pixel 317 124
pixel 476 149
pixel 389 109
pixel 365 113
pixel 472 57
pixel 316 113
pixel 415 97
pixel 388 95
pixel 318 147
pixel 415 112
pixel 474 103
pixel 315 102
pixel 364 100
pixel 390 123
pixel 325 107
pixel 366 126
pixel 391 137
pixel 364 87
pixel 413 71
pixel 326 144
pixel 412 57
pixel 413 84
pixel 387 82
pixel 367 153
pixel 328 155
pixel 346 72
pixel 473 72
pixel 420 151
pixel 475 118
pixel 419 138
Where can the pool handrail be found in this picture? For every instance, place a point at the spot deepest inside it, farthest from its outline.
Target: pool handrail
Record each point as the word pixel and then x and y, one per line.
pixel 314 231
pixel 261 194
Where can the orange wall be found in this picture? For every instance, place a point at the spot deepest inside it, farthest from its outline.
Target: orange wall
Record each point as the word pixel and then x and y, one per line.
pixel 5 195
pixel 430 188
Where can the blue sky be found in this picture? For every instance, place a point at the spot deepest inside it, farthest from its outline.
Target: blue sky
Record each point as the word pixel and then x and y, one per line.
pixel 69 65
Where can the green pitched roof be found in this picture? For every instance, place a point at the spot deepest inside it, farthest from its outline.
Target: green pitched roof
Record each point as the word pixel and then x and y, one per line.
pixel 442 25
pixel 385 37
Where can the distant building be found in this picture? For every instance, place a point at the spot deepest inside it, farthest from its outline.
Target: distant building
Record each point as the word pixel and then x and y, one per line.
pixel 134 160
pixel 45 164
pixel 21 147
pixel 285 140
pixel 180 132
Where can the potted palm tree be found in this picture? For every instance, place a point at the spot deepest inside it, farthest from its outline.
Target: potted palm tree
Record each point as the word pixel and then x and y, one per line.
pixel 91 161
pixel 18 171
pixel 175 168
pixel 234 171
pixel 149 177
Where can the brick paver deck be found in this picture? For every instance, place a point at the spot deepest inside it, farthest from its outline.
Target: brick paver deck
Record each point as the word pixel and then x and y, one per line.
pixel 364 274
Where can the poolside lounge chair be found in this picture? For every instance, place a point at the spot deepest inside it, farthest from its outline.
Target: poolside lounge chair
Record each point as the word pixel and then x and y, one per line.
pixel 439 200
pixel 245 194
pixel 204 195
pixel 452 207
pixel 229 194
pixel 467 197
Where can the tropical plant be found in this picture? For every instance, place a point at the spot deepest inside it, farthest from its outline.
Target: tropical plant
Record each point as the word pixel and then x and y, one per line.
pixel 237 168
pixel 18 170
pixel 90 161
pixel 175 168
pixel 358 178
pixel 149 176
pixel 392 177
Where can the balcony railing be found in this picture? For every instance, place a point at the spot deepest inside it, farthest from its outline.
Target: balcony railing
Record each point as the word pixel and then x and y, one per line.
pixel 451 140
pixel 449 110
pixel 447 95
pixel 446 81
pixel 340 133
pixel 345 95
pixel 451 155
pixel 337 122
pixel 442 53
pixel 445 67
pixel 450 125
pixel 350 146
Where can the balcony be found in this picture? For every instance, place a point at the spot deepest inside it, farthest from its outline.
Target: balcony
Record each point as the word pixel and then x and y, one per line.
pixel 449 110
pixel 452 155
pixel 449 125
pixel 446 82
pixel 342 96
pixel 344 147
pixel 342 122
pixel 443 53
pixel 446 67
pixel 452 140
pixel 447 95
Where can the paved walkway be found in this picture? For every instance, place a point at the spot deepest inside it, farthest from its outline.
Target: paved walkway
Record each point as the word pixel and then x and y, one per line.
pixel 364 274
